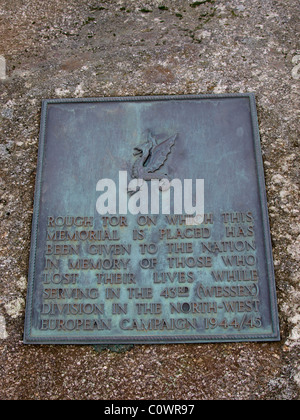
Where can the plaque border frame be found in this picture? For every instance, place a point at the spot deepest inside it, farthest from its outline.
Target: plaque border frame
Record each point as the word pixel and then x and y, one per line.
pixel 188 339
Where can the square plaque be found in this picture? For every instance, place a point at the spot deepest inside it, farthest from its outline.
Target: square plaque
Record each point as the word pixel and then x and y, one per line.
pixel 150 223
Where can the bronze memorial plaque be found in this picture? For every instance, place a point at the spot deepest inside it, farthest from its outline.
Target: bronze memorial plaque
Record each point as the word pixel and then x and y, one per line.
pixel 150 223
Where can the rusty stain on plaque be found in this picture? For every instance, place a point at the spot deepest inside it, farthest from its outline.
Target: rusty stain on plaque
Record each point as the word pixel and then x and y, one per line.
pixel 150 223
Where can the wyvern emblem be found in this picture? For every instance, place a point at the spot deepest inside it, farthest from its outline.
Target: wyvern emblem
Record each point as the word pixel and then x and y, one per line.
pixel 151 157
pixel 134 197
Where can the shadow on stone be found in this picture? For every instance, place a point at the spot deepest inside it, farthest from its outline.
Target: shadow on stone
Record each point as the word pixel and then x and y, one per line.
pixel 115 348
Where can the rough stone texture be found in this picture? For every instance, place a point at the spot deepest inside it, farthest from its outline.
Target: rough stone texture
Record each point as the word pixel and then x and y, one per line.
pixel 62 48
pixel 2 68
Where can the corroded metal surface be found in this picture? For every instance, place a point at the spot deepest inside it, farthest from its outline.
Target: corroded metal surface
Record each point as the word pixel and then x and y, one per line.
pixel 150 277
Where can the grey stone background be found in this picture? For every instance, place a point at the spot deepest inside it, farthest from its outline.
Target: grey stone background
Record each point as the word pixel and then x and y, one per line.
pixel 84 48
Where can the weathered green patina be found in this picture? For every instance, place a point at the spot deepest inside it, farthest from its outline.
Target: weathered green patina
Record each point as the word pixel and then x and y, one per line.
pixel 150 277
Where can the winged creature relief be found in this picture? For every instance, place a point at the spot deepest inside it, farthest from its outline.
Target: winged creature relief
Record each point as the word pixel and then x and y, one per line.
pixel 151 157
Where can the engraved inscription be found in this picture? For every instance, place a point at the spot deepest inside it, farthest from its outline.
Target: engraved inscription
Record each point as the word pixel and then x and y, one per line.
pixel 192 281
